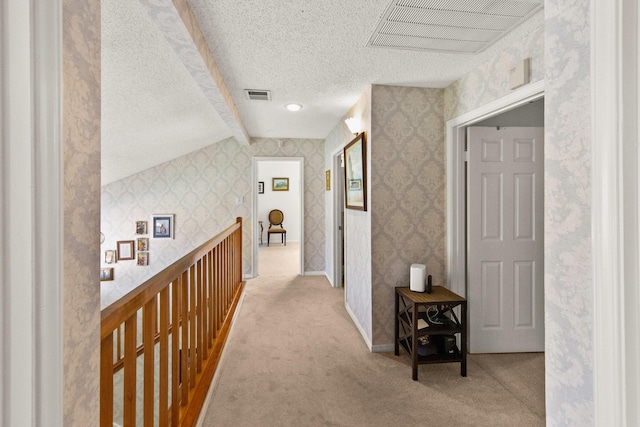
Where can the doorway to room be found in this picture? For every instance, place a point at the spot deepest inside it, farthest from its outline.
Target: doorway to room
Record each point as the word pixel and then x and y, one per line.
pixel 279 185
pixel 522 108
pixel 338 221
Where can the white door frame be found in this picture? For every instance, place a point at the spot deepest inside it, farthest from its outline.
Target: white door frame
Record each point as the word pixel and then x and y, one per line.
pixel 338 198
pixel 254 215
pixel 615 98
pixel 31 196
pixel 456 203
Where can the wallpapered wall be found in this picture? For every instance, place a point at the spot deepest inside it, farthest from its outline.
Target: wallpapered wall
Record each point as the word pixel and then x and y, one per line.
pixel 81 163
pixel 357 225
pixel 560 55
pixel 407 194
pixel 568 265
pixel 200 189
pixel 490 81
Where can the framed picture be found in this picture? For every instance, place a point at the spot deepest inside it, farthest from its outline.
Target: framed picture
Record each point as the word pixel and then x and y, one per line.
pixel 143 258
pixel 355 171
pixel 143 244
pixel 109 256
pixel 260 187
pixel 163 226
pixel 141 227
pixel 327 180
pixel 125 249
pixel 280 184
pixel 106 274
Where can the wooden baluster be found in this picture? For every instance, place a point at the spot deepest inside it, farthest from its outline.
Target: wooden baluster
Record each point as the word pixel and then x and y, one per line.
pixel 130 354
pixel 211 310
pixel 192 327
pixel 148 334
pixel 163 398
pixel 106 381
pixel 200 306
pixel 185 339
pixel 175 350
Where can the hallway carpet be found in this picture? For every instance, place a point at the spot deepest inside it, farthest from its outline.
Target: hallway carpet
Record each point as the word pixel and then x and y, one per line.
pixel 295 358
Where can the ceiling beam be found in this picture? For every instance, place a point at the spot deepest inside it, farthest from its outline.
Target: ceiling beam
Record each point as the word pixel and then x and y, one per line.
pixel 179 27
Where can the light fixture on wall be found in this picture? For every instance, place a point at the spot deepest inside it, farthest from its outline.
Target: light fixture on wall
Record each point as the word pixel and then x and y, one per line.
pixel 293 107
pixel 353 123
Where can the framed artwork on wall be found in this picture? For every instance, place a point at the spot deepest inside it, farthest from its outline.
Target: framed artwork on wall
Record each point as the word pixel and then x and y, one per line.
pixel 280 184
pixel 260 187
pixel 143 244
pixel 163 226
pixel 106 274
pixel 355 171
pixel 141 227
pixel 125 249
pixel 143 258
pixel 109 256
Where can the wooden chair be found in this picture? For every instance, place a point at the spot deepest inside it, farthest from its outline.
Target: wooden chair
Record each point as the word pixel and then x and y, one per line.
pixel 276 218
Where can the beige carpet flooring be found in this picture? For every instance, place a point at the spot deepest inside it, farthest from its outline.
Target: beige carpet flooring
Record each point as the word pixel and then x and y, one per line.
pixel 295 358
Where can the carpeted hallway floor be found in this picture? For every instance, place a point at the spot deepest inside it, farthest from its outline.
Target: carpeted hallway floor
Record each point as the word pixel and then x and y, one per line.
pixel 295 358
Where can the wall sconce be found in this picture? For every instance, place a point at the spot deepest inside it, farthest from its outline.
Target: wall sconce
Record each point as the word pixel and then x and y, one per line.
pixel 353 123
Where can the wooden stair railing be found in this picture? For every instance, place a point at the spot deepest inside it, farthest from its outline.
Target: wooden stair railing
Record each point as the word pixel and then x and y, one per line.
pixel 184 311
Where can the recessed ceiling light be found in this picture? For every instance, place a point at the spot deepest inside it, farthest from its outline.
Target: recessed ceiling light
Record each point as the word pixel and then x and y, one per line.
pixel 293 107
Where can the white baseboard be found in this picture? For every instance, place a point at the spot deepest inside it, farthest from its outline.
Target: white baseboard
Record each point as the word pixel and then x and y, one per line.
pixel 314 273
pixel 384 348
pixel 359 327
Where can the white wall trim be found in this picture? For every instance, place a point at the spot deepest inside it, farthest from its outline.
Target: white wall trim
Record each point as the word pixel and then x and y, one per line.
pixel 31 229
pixel 456 204
pixel 614 84
pixel 254 208
pixel 338 194
pixel 359 327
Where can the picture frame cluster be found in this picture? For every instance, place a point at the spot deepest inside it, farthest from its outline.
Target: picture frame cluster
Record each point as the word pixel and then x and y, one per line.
pixel 161 226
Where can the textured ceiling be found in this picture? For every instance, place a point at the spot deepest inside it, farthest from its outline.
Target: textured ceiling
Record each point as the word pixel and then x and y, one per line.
pixel 313 53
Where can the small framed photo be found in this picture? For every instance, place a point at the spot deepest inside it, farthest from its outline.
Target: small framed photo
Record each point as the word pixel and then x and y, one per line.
pixel 110 256
pixel 260 187
pixel 106 274
pixel 143 244
pixel 125 249
pixel 141 227
pixel 163 226
pixel 280 184
pixel 143 258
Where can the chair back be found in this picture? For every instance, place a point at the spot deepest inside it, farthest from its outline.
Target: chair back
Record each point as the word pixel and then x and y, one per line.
pixel 276 217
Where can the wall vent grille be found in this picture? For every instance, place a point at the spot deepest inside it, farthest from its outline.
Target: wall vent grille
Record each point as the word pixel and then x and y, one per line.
pixel 458 26
pixel 258 95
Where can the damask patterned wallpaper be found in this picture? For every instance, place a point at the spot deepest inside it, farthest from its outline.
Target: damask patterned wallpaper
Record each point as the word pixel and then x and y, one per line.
pixel 490 81
pixel 407 194
pixel 357 225
pixel 568 262
pixel 560 55
pixel 81 166
pixel 200 189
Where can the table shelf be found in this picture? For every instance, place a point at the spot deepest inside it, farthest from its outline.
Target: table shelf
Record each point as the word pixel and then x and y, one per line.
pixel 410 310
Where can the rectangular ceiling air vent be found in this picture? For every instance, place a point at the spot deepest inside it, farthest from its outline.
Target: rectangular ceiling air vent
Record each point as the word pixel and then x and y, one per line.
pixel 258 95
pixel 458 26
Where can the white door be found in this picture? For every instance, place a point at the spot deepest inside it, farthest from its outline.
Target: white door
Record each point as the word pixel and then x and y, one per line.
pixel 505 222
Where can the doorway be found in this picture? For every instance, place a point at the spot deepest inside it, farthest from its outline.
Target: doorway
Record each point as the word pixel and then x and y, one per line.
pixel 289 201
pixel 457 263
pixel 505 234
pixel 338 221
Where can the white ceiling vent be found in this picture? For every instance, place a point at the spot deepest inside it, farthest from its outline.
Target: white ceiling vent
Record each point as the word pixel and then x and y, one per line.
pixel 459 26
pixel 258 95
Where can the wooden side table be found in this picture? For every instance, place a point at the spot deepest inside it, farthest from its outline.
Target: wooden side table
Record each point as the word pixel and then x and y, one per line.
pixel 412 323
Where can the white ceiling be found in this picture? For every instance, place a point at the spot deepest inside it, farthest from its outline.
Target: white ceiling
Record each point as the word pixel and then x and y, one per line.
pixel 311 52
